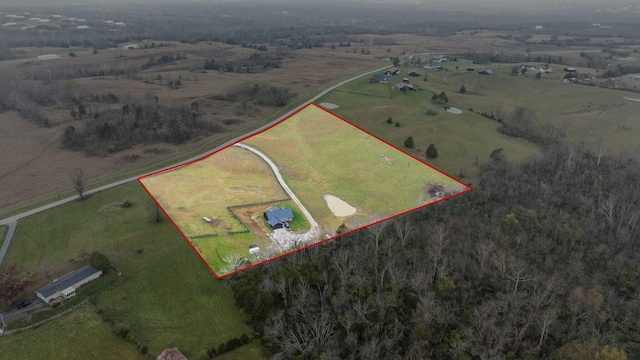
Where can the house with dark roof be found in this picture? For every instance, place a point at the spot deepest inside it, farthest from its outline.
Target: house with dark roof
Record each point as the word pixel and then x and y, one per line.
pixel 278 217
pixel 414 74
pixel 66 286
pixel 404 87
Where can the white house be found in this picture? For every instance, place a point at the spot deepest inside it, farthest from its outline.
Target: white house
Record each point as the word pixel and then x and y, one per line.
pixel 66 286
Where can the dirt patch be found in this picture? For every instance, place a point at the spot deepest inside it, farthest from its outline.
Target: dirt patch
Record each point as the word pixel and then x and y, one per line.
pixel 338 206
pixel 386 159
pixel 252 218
pixel 453 110
pixel 115 206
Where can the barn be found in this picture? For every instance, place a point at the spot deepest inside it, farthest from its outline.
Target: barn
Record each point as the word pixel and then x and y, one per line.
pixel 66 286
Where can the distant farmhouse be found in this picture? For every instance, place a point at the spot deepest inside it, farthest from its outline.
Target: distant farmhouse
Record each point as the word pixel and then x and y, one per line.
pixel 278 217
pixel 485 72
pixel 392 71
pixel 380 79
pixel 66 286
pixel 403 86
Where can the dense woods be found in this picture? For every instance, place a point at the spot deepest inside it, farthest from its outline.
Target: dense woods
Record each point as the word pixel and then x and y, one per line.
pixel 537 262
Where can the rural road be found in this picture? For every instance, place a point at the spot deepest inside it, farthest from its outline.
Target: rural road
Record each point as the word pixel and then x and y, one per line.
pixel 314 225
pixel 14 219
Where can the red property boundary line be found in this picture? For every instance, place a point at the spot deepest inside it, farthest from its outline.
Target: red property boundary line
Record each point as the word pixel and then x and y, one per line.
pixel 467 189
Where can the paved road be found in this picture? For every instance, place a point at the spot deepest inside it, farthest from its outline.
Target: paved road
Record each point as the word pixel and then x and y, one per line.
pixel 287 189
pixel 5 246
pixel 14 219
pixel 16 314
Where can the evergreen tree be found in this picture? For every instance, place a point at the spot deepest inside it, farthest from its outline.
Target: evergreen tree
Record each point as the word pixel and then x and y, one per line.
pixel 408 143
pixel 432 152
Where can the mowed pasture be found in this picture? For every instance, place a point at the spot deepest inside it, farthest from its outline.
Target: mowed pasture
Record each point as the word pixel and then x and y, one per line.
pixel 464 141
pixel 207 187
pixel 601 118
pixel 320 154
pixel 36 168
pixel 166 295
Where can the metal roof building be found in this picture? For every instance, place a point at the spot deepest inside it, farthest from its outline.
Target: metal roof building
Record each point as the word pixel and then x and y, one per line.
pixel 66 286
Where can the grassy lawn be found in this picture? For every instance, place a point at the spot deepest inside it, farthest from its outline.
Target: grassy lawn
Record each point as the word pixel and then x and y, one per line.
pixel 590 114
pixel 207 187
pixel 166 295
pixel 80 335
pixel 459 138
pixel 252 350
pixel 319 154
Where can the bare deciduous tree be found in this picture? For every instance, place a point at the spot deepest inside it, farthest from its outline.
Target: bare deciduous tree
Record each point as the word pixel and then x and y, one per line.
pixel 78 181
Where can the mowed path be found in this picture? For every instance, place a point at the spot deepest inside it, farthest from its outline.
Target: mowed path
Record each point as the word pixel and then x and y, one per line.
pixel 314 227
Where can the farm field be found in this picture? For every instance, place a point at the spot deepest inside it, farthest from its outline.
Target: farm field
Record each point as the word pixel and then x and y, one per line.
pixel 319 157
pixel 166 296
pixel 596 116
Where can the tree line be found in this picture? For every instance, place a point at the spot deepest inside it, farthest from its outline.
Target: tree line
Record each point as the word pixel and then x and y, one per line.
pixel 539 261
pixel 114 129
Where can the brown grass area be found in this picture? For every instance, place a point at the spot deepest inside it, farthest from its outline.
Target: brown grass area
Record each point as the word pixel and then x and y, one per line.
pixel 206 188
pixel 253 219
pixel 33 164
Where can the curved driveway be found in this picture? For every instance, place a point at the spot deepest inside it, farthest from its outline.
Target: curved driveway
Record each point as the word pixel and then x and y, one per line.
pixel 285 187
pixel 14 219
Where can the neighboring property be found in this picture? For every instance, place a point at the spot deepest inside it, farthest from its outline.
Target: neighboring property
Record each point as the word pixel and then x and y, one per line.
pixel 471 69
pixel 414 74
pixel 485 72
pixel 570 70
pixel 392 71
pixel 404 86
pixel 278 217
pixel 66 286
pixel 380 79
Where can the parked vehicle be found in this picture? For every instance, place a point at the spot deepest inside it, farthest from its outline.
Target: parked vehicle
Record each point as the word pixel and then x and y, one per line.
pixel 24 304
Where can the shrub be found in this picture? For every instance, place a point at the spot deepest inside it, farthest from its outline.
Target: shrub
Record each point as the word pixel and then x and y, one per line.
pixel 100 261
pixel 122 330
pixel 408 143
pixel 432 152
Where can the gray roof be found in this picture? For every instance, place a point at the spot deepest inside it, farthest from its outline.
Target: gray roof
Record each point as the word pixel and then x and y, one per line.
pixel 276 216
pixel 68 280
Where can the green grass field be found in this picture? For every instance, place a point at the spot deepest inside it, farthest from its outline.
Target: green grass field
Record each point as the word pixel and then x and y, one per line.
pixel 317 154
pixel 207 187
pixel 79 335
pixel 458 138
pixel 320 154
pixel 591 114
pixel 167 296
